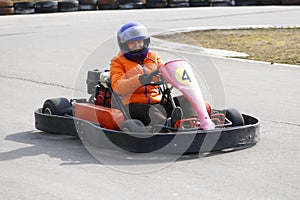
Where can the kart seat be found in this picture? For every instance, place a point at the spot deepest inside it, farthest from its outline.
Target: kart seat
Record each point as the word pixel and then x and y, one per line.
pixel 116 99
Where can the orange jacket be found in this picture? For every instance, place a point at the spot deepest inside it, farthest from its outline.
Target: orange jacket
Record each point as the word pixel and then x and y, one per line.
pixel 124 76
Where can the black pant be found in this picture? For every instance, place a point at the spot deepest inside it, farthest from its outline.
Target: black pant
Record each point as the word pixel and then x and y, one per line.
pixel 149 114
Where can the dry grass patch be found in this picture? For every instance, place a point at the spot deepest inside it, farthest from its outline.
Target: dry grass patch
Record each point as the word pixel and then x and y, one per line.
pixel 275 45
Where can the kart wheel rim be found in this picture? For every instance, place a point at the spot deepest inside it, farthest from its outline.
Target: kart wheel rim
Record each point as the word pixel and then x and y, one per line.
pixel 48 111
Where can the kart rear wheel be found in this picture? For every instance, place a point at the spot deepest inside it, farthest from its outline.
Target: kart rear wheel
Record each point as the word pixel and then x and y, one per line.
pixel 57 106
pixel 234 116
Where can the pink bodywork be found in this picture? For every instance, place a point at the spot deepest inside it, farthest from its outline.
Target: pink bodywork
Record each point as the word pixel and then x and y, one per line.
pixel 180 75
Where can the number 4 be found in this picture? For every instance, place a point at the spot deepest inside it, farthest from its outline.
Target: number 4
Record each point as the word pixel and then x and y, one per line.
pixel 185 76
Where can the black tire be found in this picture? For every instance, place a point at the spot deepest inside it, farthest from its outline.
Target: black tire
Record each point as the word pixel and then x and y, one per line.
pixel 87 2
pixel 131 6
pixel 178 1
pixel 46 4
pixel 46 10
pixel 178 5
pixel 24 8
pixel 234 116
pixel 57 106
pixel 290 2
pixel 24 11
pixel 133 126
pixel 246 2
pixel 24 5
pixel 129 1
pixel 68 6
pixel 269 2
pixel 222 3
pixel 199 3
pixel 68 9
pixel 157 1
pixel 86 7
pixel 46 7
pixel 108 6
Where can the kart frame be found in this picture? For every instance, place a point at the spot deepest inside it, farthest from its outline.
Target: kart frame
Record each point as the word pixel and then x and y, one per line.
pixel 219 139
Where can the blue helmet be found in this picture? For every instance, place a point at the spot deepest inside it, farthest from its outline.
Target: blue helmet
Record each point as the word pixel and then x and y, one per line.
pixel 133 31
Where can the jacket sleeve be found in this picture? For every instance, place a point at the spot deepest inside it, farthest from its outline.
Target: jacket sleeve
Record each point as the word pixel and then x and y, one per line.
pixel 159 61
pixel 119 81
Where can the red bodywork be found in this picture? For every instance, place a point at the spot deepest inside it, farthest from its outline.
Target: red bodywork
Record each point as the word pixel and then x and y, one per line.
pixel 109 118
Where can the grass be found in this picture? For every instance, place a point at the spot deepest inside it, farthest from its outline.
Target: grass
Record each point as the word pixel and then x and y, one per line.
pixel 274 45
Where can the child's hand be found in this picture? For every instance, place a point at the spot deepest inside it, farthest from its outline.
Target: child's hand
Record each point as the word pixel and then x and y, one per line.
pixel 145 79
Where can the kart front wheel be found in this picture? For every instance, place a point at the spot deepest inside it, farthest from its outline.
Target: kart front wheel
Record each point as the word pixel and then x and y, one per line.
pixel 57 106
pixel 234 116
pixel 133 126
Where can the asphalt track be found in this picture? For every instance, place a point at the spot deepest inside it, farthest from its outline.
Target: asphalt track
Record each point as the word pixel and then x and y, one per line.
pixel 45 55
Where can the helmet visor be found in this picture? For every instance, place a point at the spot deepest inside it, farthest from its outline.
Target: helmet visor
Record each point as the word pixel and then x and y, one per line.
pixel 134 33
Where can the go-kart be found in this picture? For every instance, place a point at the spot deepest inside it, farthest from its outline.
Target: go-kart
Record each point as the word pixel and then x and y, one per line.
pixel 102 120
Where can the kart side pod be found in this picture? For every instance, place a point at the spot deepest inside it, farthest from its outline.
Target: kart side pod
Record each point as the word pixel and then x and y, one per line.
pixel 179 74
pixel 109 118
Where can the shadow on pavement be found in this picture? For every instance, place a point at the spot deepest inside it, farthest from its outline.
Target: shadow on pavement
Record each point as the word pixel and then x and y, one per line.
pixel 67 148
pixel 71 151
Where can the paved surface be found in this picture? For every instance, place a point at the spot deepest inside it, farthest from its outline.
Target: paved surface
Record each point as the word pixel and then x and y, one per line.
pixel 44 56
